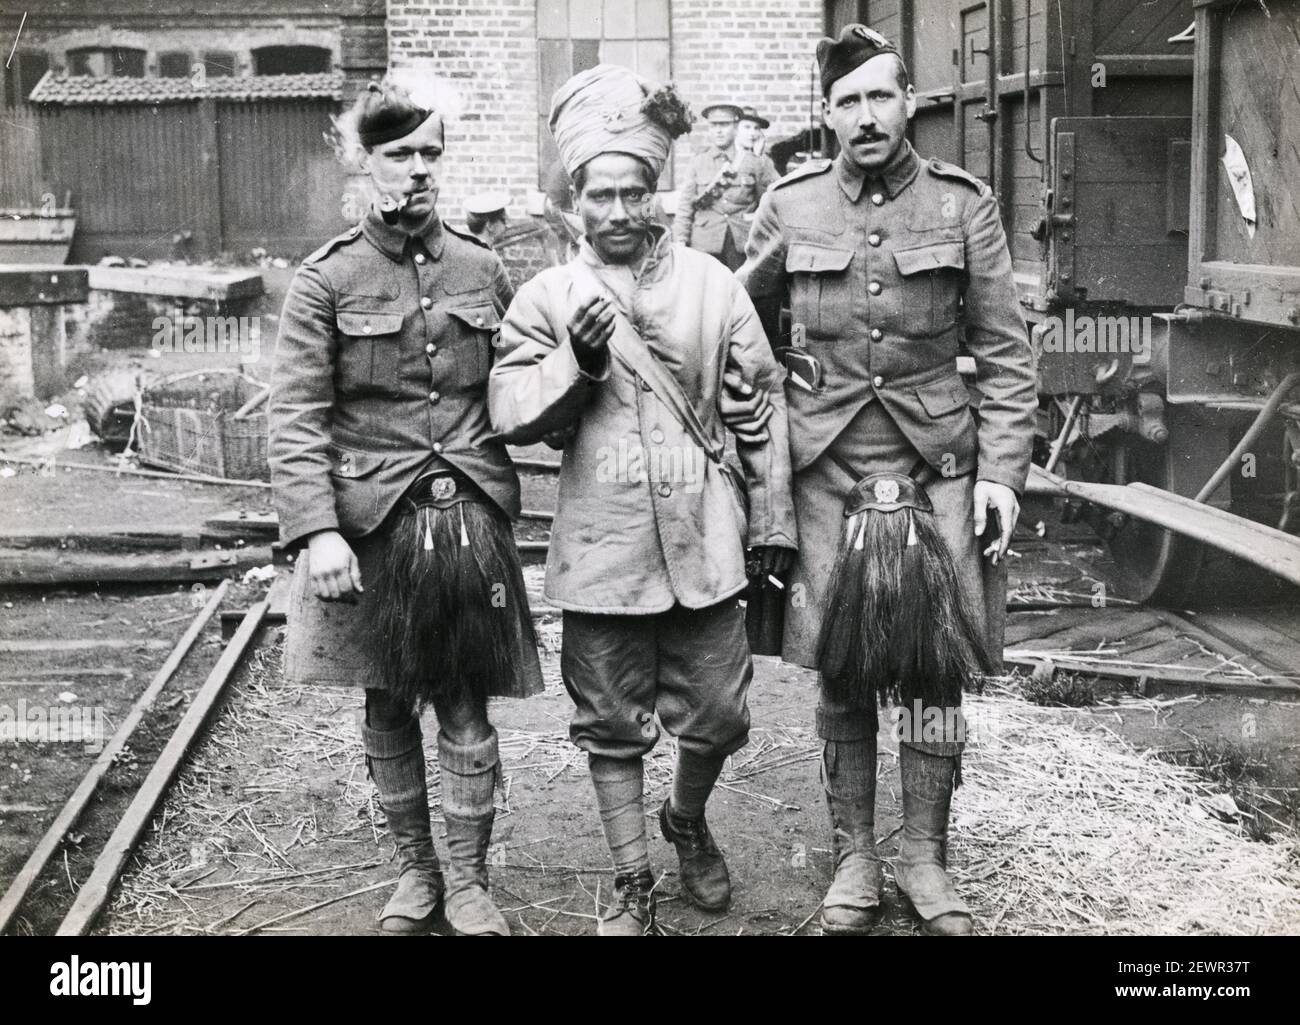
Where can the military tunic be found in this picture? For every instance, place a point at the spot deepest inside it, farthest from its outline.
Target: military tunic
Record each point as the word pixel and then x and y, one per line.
pixel 886 279
pixel 381 366
pixel 720 226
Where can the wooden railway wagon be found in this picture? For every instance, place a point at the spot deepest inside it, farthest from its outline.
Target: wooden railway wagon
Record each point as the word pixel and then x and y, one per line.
pixel 1165 324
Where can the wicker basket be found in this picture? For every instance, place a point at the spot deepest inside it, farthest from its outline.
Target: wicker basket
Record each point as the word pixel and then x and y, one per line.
pixel 187 423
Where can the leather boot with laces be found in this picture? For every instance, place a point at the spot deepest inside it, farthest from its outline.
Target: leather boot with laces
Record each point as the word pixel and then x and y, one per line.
pixel 632 912
pixel 704 875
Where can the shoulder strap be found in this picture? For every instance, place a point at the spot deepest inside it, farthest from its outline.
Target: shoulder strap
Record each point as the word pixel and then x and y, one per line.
pixel 629 348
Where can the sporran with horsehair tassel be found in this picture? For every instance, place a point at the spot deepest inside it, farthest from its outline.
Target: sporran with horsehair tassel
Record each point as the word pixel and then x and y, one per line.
pixel 897 626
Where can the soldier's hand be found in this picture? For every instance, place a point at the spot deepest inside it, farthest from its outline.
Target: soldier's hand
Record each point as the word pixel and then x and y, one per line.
pixel 557 439
pixel 745 410
pixel 1005 504
pixel 335 572
pixel 590 329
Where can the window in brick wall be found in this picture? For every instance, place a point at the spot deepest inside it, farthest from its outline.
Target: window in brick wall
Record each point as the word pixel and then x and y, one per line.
pixel 106 62
pixel 574 35
pixel 174 64
pixel 21 75
pixel 219 64
pixel 290 60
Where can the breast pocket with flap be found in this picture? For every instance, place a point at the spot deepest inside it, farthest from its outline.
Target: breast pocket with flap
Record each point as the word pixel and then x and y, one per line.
pixel 368 348
pixel 820 292
pixel 475 332
pixel 933 275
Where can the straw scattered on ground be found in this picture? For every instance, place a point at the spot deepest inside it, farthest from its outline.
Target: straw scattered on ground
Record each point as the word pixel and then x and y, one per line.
pixel 1060 826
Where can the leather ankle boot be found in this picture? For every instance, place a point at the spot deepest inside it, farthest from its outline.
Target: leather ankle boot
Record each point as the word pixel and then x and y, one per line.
pixel 852 904
pixel 469 773
pixel 395 759
pixel 922 850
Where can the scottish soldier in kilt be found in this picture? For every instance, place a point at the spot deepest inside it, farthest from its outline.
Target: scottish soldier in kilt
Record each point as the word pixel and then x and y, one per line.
pixel 890 264
pixel 388 479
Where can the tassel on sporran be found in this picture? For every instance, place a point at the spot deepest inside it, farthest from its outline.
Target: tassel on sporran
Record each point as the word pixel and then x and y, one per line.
pixel 896 626
pixel 449 602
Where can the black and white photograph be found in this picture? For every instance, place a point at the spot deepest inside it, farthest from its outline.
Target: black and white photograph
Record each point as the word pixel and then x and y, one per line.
pixel 665 468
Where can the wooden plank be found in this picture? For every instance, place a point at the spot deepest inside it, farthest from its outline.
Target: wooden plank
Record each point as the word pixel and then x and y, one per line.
pixel 1256 543
pixel 243 524
pixel 15 647
pixel 1172 651
pixel 44 567
pixel 1284 619
pixel 1191 679
pixel 199 478
pixel 95 892
pixel 1102 628
pixel 185 536
pixel 1023 626
pixel 34 284
pixel 1228 629
pixel 1158 637
pixel 126 538
pixel 76 804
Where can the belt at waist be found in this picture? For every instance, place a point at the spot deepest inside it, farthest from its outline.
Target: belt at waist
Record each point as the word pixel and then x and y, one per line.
pixel 441 489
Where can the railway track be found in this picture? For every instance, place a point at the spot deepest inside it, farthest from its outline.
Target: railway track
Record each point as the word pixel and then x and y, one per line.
pixel 160 664
pixel 99 822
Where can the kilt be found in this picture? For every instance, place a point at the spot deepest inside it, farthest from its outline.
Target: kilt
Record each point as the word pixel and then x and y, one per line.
pixel 331 643
pixel 872 443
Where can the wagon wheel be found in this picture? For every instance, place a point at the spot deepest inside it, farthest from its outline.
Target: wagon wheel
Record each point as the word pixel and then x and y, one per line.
pixel 1156 566
pixel 1159 567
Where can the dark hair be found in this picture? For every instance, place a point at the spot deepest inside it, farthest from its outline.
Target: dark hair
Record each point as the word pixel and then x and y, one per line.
pixel 477 222
pixel 580 175
pixel 901 75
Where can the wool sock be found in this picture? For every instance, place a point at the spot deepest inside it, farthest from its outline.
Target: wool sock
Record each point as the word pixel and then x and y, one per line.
pixel 693 780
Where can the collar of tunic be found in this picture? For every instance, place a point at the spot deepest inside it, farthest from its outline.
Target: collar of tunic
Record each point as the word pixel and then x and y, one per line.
pixel 660 247
pixel 392 239
pixel 897 175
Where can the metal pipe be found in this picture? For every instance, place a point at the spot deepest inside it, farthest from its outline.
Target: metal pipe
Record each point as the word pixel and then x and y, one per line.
pixel 1058 446
pixel 1250 437
pixel 1029 144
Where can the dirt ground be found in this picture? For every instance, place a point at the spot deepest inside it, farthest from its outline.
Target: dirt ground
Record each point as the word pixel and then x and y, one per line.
pixel 273 826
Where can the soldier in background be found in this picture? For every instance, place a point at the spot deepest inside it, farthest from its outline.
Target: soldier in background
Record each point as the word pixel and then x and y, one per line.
pixel 749 132
pixel 721 189
pixel 485 216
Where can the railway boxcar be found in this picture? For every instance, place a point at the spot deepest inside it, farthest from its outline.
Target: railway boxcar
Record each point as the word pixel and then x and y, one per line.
pixel 1126 142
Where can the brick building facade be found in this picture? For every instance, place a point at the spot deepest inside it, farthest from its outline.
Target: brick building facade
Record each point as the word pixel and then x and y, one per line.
pixel 505 57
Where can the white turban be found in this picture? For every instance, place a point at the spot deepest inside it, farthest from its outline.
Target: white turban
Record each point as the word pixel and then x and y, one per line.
pixel 605 110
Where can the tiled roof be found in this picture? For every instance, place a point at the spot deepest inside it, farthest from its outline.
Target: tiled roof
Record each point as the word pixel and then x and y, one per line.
pixel 79 89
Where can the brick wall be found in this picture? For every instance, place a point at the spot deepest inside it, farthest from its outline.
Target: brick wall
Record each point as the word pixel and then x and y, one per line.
pixel 527 248
pixel 755 51
pixel 487 52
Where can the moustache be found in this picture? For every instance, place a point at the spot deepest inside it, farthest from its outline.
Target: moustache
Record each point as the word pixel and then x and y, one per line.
pixel 872 137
